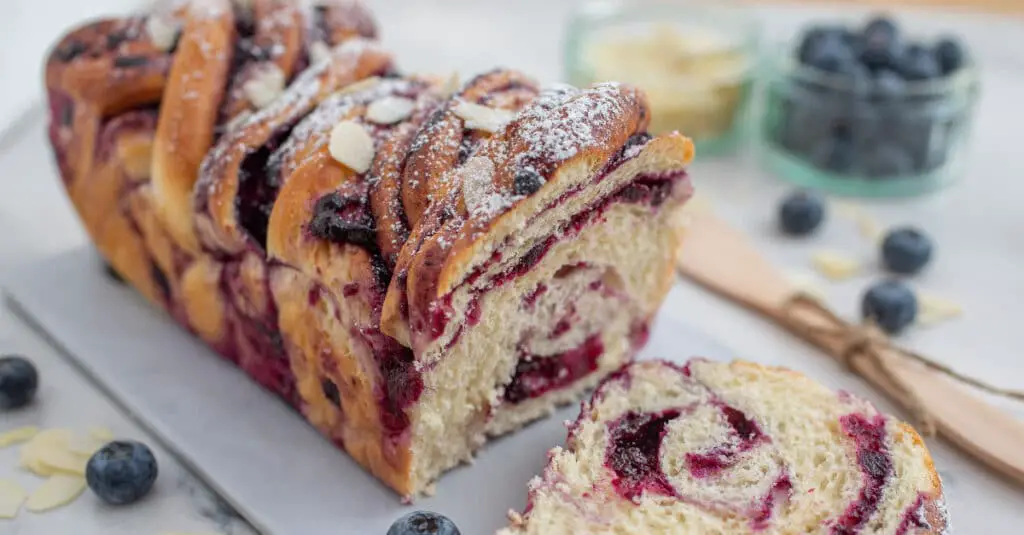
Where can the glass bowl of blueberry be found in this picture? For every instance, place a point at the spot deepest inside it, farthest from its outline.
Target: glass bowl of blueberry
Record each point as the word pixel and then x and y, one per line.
pixel 868 110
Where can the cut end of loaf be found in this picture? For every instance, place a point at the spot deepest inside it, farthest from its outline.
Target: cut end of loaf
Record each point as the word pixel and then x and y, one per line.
pixel 732 448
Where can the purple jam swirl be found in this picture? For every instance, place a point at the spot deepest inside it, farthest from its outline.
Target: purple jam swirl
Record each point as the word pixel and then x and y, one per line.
pixel 634 453
pixel 719 458
pixel 537 375
pixel 876 468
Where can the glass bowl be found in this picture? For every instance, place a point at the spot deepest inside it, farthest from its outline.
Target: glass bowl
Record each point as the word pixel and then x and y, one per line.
pixel 860 136
pixel 695 61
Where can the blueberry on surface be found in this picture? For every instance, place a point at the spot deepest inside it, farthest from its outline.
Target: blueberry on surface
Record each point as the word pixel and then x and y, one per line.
pixel 801 213
pixel 950 54
pixel 906 250
pixel 918 64
pixel 891 305
pixel 19 381
pixel 423 523
pixel 887 160
pixel 121 472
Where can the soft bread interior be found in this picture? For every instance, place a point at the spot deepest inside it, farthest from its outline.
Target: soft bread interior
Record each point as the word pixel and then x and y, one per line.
pixel 800 417
pixel 465 380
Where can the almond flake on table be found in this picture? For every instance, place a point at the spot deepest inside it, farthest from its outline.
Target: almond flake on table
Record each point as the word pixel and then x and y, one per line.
pixel 12 495
pixel 935 309
pixel 39 447
pixel 15 436
pixel 57 491
pixel 352 146
pixel 479 117
pixel 835 265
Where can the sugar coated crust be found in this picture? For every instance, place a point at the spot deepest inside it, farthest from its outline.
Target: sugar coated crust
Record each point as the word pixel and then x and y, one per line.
pixel 414 264
pixel 731 448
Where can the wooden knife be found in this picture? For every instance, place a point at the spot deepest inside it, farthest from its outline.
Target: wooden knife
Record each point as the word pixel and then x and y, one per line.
pixel 721 259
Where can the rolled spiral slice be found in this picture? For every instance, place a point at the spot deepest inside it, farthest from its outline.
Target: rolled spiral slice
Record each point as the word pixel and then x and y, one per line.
pixel 715 448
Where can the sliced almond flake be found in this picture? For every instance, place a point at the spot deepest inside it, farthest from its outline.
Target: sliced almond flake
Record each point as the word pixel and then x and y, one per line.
pixel 58 459
pixel 835 265
pixel 319 52
pixel 806 283
pixel 934 310
pixel 869 227
pixel 451 85
pixel 479 117
pixel 352 146
pixel 162 32
pixel 35 450
pixel 265 86
pixel 361 85
pixel 15 436
pixel 389 109
pixel 55 492
pixel 12 495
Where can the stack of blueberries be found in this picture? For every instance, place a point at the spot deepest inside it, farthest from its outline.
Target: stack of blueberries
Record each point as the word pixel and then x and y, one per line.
pixel 870 102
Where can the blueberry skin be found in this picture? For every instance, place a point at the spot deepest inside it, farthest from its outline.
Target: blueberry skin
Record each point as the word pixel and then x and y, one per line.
pixel 836 154
pixel 918 64
pixel 887 161
pixel 19 381
pixel 801 213
pixel 950 54
pixel 423 523
pixel 121 472
pixel 890 305
pixel 906 251
pixel 881 44
pixel 832 55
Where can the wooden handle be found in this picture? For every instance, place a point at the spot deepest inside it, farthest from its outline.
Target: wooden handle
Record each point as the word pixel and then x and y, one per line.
pixel 981 430
pixel 720 258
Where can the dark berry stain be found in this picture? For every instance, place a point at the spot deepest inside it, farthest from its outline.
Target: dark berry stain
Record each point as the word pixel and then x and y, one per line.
pixel 634 453
pixel 115 39
pixel 535 375
pixel 331 392
pixel 719 458
pixel 875 463
pixel 161 280
pixel 258 186
pixel 527 182
pixel 125 62
pixel 344 219
pixel 70 51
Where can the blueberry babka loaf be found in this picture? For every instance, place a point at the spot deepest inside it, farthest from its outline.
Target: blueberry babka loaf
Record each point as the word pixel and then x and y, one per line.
pixel 713 448
pixel 413 263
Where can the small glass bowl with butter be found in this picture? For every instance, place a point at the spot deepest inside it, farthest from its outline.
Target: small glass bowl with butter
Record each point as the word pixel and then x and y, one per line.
pixel 695 61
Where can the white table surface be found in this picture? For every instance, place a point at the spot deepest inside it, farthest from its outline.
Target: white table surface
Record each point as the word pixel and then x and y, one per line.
pixel 980 269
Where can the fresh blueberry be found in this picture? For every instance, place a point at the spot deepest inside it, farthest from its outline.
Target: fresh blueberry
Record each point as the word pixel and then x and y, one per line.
pixel 888 85
pixel 423 523
pixel 836 153
pixel 906 250
pixel 887 160
pixel 890 305
pixel 880 44
pixel 19 381
pixel 918 63
pixel 831 55
pixel 527 182
pixel 121 472
pixel 950 54
pixel 814 37
pixel 801 213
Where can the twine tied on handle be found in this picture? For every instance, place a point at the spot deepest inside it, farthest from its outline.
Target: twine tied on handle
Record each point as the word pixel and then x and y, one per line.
pixel 857 342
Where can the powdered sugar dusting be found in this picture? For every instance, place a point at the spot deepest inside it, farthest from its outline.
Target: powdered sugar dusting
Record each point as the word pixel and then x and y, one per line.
pixel 563 120
pixel 478 192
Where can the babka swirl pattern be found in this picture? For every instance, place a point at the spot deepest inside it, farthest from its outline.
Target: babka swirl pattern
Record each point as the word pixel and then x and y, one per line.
pixel 717 448
pixel 413 263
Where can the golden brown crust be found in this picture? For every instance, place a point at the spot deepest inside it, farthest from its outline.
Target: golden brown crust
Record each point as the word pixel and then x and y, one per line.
pixel 232 215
